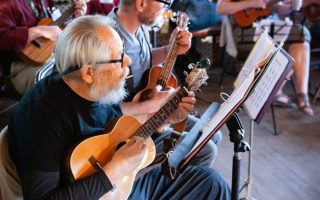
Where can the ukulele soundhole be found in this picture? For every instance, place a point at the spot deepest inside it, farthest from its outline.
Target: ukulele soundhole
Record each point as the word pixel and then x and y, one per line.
pixel 120 145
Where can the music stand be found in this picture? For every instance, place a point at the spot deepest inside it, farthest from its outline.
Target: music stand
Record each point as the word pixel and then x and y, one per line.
pixel 248 182
pixel 255 89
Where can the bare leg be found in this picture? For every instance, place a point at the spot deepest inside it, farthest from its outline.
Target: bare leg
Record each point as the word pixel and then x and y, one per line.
pixel 301 53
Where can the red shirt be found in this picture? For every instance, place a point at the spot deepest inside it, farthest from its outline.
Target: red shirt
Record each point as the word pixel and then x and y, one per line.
pixel 94 6
pixel 16 16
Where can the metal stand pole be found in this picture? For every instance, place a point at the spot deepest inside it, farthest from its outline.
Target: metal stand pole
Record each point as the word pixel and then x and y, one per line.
pixel 248 182
pixel 236 135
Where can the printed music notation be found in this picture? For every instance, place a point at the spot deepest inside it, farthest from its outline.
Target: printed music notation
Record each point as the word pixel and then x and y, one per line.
pixel 261 92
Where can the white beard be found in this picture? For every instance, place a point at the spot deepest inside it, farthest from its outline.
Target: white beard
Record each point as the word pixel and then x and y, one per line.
pixel 115 95
pixel 109 96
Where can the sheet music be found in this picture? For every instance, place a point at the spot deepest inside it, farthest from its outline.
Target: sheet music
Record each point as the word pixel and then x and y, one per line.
pixel 265 69
pixel 265 85
pixel 263 47
pixel 226 107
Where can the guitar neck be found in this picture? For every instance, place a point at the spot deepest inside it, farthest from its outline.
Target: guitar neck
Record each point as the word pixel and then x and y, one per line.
pixel 168 64
pixel 148 128
pixel 64 16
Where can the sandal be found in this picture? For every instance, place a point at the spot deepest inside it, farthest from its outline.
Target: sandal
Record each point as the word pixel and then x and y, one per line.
pixel 283 101
pixel 303 103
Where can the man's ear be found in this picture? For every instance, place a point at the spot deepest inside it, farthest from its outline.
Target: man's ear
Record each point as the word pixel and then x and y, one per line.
pixel 140 4
pixel 87 73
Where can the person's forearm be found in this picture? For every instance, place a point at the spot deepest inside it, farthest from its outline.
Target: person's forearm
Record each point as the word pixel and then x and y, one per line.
pixel 45 185
pixel 136 108
pixel 142 112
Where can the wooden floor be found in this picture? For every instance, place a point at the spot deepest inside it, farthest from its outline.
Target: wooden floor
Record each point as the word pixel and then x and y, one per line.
pixel 285 166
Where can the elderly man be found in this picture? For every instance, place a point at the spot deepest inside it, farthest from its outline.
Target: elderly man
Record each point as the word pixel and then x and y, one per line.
pixel 65 108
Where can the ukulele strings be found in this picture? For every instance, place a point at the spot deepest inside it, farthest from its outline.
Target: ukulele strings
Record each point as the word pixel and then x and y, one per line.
pixel 156 120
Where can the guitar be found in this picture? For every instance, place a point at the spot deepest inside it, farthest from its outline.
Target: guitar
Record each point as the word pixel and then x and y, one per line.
pixel 312 12
pixel 98 150
pixel 38 51
pixel 245 18
pixel 162 75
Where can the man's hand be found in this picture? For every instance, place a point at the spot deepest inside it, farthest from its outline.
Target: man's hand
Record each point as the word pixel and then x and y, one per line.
pixel 126 159
pixel 49 32
pixel 183 38
pixel 158 98
pixel 185 107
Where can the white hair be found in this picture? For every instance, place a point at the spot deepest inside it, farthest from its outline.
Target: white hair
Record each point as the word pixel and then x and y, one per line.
pixel 79 44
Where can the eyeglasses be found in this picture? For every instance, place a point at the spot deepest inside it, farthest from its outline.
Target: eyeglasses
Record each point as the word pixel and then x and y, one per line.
pixel 166 2
pixel 77 67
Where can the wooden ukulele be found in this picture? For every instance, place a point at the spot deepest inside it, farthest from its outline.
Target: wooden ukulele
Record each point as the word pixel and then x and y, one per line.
pixel 38 51
pixel 312 12
pixel 163 75
pixel 245 18
pixel 98 150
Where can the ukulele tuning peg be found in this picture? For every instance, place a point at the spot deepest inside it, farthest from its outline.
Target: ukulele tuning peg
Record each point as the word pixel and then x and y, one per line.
pixel 185 73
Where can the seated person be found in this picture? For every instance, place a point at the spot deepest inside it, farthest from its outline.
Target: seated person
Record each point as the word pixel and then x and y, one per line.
pixel 18 27
pixel 64 109
pixel 132 19
pixel 298 47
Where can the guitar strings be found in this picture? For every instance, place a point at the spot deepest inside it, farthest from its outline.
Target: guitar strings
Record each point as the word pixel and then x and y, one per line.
pixel 170 60
pixel 163 114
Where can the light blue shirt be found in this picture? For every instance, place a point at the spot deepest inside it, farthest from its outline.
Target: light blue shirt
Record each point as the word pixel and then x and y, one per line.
pixel 137 47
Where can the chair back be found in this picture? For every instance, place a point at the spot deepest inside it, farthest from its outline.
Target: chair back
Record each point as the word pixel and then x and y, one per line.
pixel 44 71
pixel 10 184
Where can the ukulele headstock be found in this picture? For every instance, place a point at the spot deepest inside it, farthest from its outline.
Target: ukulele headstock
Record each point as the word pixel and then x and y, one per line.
pixel 197 76
pixel 180 18
pixel 182 21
